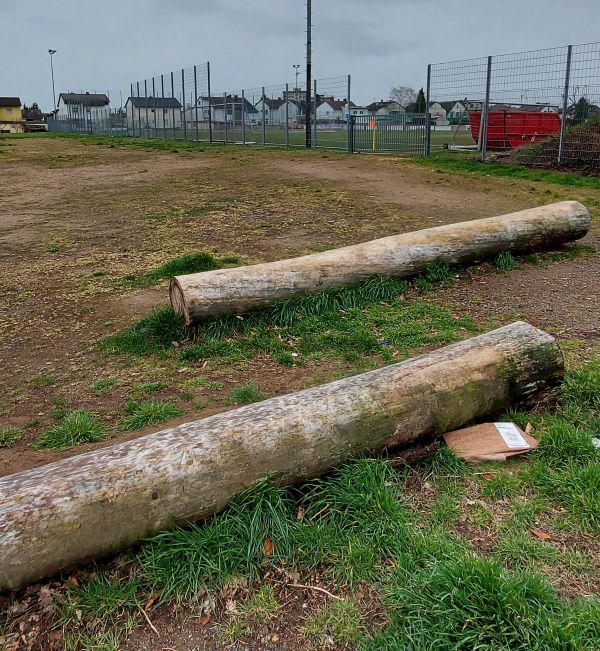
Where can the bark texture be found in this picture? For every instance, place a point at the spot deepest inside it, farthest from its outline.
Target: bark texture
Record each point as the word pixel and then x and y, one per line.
pixel 87 506
pixel 236 291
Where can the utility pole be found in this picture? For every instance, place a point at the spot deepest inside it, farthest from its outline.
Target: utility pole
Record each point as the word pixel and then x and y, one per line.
pixel 308 72
pixel 51 52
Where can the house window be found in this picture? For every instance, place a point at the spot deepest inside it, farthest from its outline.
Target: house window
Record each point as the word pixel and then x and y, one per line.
pixel 9 110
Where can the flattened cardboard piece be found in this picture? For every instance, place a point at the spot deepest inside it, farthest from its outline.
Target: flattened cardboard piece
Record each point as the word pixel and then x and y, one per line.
pixel 489 442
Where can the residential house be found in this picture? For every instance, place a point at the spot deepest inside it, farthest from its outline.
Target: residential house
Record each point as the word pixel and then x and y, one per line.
pixel 153 113
pixel 88 106
pixel 456 111
pixel 358 110
pixel 11 118
pixel 384 108
pixel 332 110
pixel 296 94
pixel 540 107
pixel 218 111
pixel 272 108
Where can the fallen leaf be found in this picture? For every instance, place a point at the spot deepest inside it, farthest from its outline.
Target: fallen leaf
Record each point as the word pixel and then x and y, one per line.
pixel 542 535
pixel 529 429
pixel 205 621
pixel 268 547
pixel 151 599
pixel 72 580
pixel 300 513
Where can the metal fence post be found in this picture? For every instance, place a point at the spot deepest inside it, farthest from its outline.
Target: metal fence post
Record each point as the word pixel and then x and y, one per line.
pixel 484 112
pixel 351 123
pixel 155 107
pixel 427 143
pixel 173 105
pixel 225 117
pixel 132 112
pixel 137 83
pixel 196 103
pixel 243 117
pixel 563 123
pixel 183 107
pixel 146 103
pixel 314 114
pixel 264 112
pixel 163 109
pixel 287 116
pixel 210 130
pixel 348 144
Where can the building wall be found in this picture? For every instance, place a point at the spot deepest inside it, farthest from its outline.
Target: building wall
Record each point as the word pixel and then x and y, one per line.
pixel 143 118
pixel 10 113
pixel 79 111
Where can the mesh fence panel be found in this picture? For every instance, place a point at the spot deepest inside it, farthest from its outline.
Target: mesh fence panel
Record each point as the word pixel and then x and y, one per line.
pixel 540 107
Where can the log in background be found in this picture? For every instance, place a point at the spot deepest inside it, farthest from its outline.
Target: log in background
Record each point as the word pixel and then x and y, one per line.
pixel 239 290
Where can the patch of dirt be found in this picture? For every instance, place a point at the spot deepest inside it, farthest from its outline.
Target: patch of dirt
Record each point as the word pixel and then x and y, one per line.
pixel 562 297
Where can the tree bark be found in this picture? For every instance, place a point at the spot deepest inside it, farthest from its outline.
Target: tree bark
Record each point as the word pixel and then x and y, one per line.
pixel 87 506
pixel 236 291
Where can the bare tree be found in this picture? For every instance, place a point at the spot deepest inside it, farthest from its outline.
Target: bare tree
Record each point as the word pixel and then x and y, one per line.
pixel 404 95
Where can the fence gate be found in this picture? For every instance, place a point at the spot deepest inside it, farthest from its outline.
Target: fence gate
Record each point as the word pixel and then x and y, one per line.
pixel 404 133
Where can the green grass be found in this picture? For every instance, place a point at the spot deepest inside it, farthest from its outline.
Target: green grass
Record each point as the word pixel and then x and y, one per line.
pixel 9 436
pixel 474 603
pixel 339 620
pixel 141 414
pixel 152 334
pixel 185 264
pixel 466 165
pixel 42 381
pixel 77 427
pixel 246 394
pixel 505 261
pixel 148 387
pixel 102 386
pixel 373 318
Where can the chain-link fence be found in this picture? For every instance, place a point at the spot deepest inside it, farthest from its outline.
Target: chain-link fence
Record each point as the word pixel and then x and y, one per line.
pixel 184 105
pixel 540 107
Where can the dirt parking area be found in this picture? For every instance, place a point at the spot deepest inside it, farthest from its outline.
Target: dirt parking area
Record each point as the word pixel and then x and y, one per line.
pixel 78 217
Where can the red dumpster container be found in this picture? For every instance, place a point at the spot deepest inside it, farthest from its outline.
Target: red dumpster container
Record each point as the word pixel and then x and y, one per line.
pixel 508 129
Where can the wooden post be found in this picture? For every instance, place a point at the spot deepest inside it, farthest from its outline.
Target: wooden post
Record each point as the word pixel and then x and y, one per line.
pixel 84 507
pixel 239 290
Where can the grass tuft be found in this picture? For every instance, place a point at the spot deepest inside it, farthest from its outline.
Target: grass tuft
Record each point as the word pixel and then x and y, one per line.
pixel 246 394
pixel 186 264
pixel 9 436
pixel 146 413
pixel 151 334
pixel 473 603
pixel 505 261
pixel 338 621
pixel 77 427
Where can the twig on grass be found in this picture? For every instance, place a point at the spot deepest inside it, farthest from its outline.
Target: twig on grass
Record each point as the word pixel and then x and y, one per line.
pixel 314 587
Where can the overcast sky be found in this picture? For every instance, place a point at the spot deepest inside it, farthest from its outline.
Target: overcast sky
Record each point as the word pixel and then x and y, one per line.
pixel 106 44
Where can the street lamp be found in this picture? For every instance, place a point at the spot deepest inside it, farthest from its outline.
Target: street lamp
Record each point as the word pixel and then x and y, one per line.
pixel 296 67
pixel 51 52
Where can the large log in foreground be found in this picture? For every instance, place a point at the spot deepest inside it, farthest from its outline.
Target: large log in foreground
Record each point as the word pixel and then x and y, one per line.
pixel 87 506
pixel 239 290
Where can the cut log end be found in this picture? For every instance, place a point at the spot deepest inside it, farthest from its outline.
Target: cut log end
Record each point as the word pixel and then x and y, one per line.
pixel 178 301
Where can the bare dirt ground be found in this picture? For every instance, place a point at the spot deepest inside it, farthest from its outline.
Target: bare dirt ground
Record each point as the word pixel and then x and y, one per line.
pixel 76 217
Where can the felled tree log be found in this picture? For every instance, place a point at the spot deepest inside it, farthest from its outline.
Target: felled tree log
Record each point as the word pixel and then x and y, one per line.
pixel 239 290
pixel 84 507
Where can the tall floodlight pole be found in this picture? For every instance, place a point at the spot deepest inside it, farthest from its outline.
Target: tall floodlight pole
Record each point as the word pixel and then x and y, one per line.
pixel 51 52
pixel 296 67
pixel 308 71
